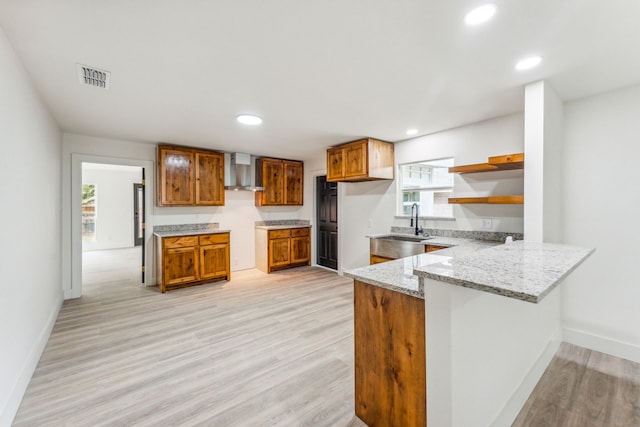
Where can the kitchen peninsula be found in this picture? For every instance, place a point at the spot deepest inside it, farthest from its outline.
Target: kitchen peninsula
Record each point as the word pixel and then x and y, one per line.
pixel 491 322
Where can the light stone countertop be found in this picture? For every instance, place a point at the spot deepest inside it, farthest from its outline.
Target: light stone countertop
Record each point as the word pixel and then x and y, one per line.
pixel 176 230
pixel 178 233
pixel 281 224
pixel 520 270
pixel 281 227
pixel 398 275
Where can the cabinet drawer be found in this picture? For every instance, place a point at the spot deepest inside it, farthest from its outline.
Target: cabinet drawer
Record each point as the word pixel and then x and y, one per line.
pixel 299 232
pixel 180 242
pixel 212 239
pixel 279 234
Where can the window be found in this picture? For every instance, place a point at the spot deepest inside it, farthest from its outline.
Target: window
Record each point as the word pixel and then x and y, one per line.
pixel 429 184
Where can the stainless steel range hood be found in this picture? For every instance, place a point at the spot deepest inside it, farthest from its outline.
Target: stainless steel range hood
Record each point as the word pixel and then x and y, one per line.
pixel 242 171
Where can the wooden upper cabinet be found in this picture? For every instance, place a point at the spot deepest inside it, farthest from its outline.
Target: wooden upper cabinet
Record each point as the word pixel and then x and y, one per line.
pixel 363 160
pixel 273 181
pixel 209 179
pixel 190 177
pixel 293 178
pixel 283 183
pixel 335 164
pixel 176 176
pixel 355 160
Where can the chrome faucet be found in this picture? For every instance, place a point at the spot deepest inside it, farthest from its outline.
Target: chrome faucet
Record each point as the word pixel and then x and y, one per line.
pixel 418 229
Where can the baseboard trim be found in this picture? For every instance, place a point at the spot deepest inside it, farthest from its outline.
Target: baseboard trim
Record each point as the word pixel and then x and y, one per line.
pixel 8 412
pixel 519 397
pixel 613 347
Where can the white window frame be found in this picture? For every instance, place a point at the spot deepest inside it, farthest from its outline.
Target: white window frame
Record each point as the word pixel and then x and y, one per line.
pixel 400 199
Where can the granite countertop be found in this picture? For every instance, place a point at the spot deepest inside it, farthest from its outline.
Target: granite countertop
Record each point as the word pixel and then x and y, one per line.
pixel 523 270
pixel 398 275
pixel 177 233
pixel 520 270
pixel 282 224
pixel 176 230
pixel 281 227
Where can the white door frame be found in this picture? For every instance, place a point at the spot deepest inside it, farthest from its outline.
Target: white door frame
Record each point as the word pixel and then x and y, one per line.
pixel 75 287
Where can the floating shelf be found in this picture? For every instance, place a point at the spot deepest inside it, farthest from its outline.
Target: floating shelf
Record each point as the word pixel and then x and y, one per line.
pixel 495 163
pixel 491 200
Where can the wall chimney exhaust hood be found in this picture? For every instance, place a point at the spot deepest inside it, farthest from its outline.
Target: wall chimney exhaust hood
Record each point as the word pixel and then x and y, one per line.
pixel 242 171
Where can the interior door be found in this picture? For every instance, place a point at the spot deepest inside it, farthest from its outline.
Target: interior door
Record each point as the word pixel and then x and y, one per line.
pixel 327 216
pixel 138 214
pixel 140 220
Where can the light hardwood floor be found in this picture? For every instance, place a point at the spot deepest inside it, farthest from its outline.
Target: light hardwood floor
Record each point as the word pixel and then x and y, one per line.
pixel 262 349
pixel 584 388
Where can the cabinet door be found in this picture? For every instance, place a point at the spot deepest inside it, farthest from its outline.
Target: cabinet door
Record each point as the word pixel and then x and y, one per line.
pixel 209 179
pixel 300 249
pixel 180 265
pixel 214 261
pixel 176 177
pixel 279 252
pixel 273 180
pixel 355 160
pixel 335 164
pixel 293 183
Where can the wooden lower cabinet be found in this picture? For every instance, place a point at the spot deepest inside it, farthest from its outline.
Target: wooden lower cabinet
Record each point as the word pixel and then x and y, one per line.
pixel 390 357
pixel 192 260
pixel 376 259
pixel 279 252
pixel 283 248
pixel 180 265
pixel 433 248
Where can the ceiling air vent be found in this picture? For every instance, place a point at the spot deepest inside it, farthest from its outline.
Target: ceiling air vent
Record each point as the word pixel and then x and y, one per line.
pixel 93 76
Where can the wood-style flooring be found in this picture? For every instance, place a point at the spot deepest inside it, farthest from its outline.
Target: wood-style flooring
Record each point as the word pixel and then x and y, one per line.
pixel 260 350
pixel 584 388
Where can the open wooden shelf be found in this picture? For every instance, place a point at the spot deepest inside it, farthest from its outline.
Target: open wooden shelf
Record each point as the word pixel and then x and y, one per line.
pixel 491 200
pixel 495 163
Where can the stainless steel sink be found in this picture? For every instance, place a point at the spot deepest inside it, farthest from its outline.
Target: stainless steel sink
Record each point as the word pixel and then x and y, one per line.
pixel 397 245
pixel 404 238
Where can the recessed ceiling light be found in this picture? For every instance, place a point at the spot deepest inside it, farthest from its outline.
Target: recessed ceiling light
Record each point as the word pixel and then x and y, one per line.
pixel 412 131
pixel 480 14
pixel 527 63
pixel 249 119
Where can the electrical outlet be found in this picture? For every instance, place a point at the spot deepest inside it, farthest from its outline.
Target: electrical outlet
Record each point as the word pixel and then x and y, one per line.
pixel 370 223
pixel 486 223
pixel 235 261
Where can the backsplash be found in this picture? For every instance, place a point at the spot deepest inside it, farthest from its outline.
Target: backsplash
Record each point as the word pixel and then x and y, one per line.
pixel 492 236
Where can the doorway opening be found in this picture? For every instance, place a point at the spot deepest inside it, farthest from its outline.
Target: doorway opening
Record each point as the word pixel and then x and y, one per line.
pixel 327 220
pixel 112 227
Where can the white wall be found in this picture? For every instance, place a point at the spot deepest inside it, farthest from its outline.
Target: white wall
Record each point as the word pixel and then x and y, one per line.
pixel 543 166
pixel 30 291
pixel 370 207
pixel 238 215
pixel 602 209
pixel 114 203
pixel 471 144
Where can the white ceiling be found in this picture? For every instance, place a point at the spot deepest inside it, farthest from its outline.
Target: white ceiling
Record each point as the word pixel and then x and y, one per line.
pixel 318 72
